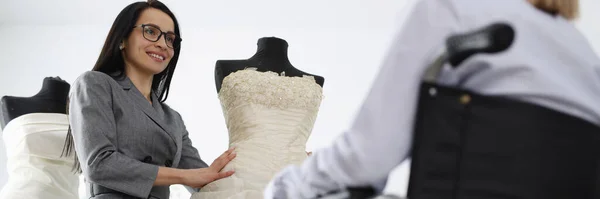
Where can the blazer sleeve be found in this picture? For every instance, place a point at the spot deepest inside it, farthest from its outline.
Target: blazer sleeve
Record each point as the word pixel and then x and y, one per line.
pixel 94 132
pixel 190 158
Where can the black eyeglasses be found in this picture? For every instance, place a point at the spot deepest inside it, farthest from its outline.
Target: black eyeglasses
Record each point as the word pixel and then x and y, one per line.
pixel 153 33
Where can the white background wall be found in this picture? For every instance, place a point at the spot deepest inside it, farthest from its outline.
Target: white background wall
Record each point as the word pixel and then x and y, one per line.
pixel 344 41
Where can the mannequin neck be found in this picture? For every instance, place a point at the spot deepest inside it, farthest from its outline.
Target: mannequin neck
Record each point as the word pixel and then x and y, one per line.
pixel 54 89
pixel 273 50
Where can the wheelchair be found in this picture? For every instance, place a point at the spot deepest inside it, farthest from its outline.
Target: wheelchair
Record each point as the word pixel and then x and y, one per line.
pixel 468 145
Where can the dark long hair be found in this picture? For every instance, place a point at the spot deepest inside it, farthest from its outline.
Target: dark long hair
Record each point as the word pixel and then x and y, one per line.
pixel 111 60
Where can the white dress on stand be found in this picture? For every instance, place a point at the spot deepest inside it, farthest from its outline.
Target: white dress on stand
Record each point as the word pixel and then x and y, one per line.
pixel 34 143
pixel 269 118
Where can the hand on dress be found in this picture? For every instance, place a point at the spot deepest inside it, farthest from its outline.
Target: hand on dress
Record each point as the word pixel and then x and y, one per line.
pixel 197 178
pixel 308 153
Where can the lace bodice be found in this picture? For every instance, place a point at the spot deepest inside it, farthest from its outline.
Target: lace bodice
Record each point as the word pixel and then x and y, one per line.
pixel 269 89
pixel 269 118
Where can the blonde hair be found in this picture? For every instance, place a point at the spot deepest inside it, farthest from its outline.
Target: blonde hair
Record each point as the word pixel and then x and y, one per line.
pixel 568 9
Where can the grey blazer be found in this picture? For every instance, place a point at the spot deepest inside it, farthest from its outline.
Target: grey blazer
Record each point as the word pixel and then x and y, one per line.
pixel 121 139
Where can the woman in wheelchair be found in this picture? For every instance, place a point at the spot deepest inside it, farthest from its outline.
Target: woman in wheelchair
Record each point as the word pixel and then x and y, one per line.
pixel 521 123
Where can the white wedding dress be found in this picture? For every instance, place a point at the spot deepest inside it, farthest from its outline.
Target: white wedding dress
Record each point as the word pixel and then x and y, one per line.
pixel 269 118
pixel 34 144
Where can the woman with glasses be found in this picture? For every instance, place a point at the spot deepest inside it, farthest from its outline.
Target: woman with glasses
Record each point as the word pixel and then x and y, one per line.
pixel 128 142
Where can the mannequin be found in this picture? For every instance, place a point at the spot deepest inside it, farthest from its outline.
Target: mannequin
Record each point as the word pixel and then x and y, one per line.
pixel 34 130
pixel 52 98
pixel 270 56
pixel 270 109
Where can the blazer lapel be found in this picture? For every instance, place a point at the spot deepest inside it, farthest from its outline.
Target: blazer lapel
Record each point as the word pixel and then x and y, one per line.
pixel 153 111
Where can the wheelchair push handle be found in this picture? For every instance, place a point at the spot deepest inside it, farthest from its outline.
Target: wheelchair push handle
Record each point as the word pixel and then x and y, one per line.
pixel 494 38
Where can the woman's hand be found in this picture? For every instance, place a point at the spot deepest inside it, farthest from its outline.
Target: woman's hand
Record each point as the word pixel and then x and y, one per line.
pixel 308 153
pixel 198 178
pixel 222 160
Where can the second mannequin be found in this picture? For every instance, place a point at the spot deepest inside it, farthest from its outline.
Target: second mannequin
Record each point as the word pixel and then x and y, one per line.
pixel 270 108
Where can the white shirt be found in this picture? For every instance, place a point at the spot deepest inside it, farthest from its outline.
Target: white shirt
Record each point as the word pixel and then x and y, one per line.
pixel 550 63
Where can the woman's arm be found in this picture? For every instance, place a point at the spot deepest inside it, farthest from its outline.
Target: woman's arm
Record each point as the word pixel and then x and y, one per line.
pixel 381 136
pixel 195 178
pixel 168 176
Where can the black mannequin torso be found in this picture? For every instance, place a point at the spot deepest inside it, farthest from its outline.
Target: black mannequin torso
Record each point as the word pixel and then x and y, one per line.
pixel 270 56
pixel 52 98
